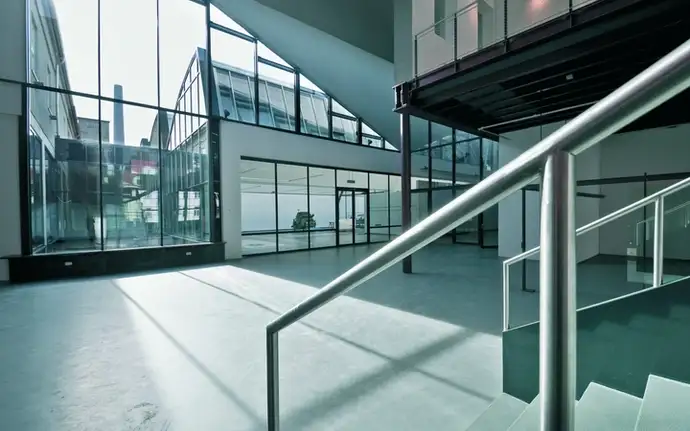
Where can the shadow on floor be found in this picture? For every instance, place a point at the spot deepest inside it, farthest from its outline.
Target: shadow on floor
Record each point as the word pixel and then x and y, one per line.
pixel 458 284
pixel 406 364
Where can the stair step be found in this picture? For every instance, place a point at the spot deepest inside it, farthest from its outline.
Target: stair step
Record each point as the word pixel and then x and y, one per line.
pixel 529 419
pixel 500 415
pixel 602 408
pixel 664 406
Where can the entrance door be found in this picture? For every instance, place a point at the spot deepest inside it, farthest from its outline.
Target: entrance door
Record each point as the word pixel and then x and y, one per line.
pixel 352 211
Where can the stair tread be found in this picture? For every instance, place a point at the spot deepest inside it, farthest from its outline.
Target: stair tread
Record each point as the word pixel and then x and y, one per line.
pixel 664 406
pixel 602 408
pixel 529 419
pixel 499 415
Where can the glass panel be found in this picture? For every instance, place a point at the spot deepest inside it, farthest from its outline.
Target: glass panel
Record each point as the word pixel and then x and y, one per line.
pixel 228 107
pixel 361 218
pixel 294 219
pixel 75 66
pixel 185 180
pixel 467 160
pixel 676 231
pixel 220 18
pixel 236 57
pixel 524 14
pixel 468 232
pixel 378 207
pixel 279 103
pixel 130 182
pixel 490 227
pixel 352 179
pixel 440 135
pixel 339 109
pixel 243 89
pixel 258 207
pixel 266 53
pixel 265 115
pixel 490 157
pixel 178 71
pixel 322 206
pixel 344 130
pixel 396 202
pixel 419 205
pixel 64 171
pixel 346 217
pixel 129 59
pixel 419 134
pixel 314 106
pixel 370 138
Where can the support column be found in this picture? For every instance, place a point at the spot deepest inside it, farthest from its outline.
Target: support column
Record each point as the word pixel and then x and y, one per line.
pixel 406 181
pixel 557 329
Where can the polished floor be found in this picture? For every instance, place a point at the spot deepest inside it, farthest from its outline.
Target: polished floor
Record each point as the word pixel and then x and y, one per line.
pixel 185 350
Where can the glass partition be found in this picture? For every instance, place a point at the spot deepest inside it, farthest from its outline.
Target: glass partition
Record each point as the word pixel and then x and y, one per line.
pixel 288 206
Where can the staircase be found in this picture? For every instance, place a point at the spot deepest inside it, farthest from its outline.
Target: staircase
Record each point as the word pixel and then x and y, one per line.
pixel 664 406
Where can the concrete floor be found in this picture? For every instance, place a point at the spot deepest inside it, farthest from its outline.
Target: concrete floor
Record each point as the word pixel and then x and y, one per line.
pixel 185 350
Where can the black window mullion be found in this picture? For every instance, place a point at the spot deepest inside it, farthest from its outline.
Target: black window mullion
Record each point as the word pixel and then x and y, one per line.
pixel 298 104
pixel 256 82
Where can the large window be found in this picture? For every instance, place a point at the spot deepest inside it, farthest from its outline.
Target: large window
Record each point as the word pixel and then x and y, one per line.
pixel 445 163
pixel 295 220
pixel 295 207
pixel 125 163
pixel 255 85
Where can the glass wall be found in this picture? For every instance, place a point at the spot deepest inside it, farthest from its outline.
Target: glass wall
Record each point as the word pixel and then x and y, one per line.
pixel 445 163
pixel 296 207
pixel 244 67
pixel 125 163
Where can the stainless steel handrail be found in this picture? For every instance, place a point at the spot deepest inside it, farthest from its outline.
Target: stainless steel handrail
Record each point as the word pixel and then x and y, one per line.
pixel 651 219
pixel 581 231
pixel 660 82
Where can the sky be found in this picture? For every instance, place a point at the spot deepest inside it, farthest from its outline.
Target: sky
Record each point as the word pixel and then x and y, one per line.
pixel 128 54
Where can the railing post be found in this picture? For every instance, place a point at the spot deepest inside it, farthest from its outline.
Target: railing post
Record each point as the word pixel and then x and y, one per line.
pixel 658 274
pixel 272 380
pixel 506 297
pixel 557 330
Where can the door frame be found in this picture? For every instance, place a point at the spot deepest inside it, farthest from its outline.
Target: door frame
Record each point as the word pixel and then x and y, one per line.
pixel 353 191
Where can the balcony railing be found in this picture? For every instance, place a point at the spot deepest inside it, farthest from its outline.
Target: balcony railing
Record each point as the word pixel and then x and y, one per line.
pixel 479 25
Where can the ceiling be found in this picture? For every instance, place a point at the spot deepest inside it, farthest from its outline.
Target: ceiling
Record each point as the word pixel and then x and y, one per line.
pixel 366 24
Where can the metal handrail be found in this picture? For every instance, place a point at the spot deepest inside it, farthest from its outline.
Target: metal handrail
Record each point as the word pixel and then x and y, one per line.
pixel 657 84
pixel 581 231
pixel 649 220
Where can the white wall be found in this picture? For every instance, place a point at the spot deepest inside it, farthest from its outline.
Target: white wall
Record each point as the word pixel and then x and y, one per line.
pixel 12 66
pixel 587 166
pixel 242 140
pixel 654 151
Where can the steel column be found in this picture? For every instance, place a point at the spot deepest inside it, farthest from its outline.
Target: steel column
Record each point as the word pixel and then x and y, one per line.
pixel 406 181
pixel 557 330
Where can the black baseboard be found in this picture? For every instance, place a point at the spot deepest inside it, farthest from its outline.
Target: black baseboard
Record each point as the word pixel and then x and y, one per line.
pixel 25 269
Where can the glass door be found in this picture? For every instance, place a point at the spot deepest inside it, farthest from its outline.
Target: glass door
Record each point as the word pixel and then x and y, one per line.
pixel 345 217
pixel 361 220
pixel 352 207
